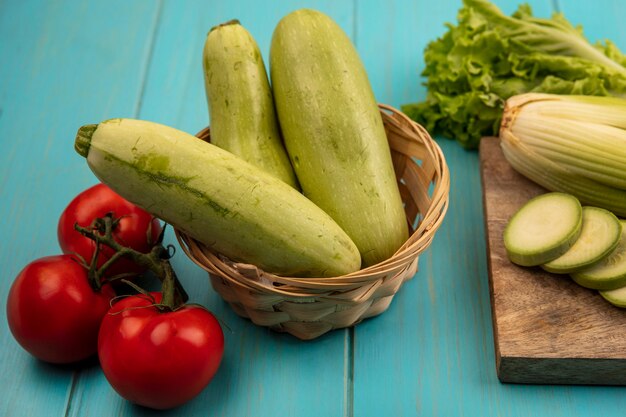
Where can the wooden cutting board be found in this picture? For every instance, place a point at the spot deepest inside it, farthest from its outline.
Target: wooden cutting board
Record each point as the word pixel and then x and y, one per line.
pixel 547 329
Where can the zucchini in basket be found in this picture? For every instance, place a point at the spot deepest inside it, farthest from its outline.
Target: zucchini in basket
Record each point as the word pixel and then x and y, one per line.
pixel 333 132
pixel 217 198
pixel 241 107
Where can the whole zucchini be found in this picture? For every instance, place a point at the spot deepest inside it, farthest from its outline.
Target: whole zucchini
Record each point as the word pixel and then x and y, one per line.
pixel 333 132
pixel 241 108
pixel 219 199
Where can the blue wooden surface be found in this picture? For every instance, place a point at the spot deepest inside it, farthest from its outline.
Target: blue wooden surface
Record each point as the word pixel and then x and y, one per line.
pixel 68 63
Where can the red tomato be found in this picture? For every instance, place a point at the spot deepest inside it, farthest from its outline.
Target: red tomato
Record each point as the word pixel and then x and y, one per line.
pixel 53 312
pixel 159 359
pixel 131 231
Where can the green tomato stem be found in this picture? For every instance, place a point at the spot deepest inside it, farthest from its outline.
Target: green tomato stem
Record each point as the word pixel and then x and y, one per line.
pixel 157 261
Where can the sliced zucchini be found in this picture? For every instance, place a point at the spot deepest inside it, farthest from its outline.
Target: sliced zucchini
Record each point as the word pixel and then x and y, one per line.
pixel 543 229
pixel 610 272
pixel 616 297
pixel 600 235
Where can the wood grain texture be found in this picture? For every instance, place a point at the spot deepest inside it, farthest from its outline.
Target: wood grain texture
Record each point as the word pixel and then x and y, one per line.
pixel 547 329
pixel 59 71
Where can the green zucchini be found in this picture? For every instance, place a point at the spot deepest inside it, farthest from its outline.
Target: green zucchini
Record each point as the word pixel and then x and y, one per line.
pixel 333 132
pixel 599 236
pixel 241 107
pixel 543 229
pixel 617 297
pixel 216 197
pixel 610 272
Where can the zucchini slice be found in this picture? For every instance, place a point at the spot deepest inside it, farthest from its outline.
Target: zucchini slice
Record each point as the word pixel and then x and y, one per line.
pixel 543 229
pixel 616 297
pixel 610 272
pixel 600 235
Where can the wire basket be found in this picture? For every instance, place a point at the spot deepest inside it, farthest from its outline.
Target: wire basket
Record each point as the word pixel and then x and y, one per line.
pixel 310 307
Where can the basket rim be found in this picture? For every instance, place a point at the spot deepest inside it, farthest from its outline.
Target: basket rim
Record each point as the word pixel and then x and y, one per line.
pixel 419 239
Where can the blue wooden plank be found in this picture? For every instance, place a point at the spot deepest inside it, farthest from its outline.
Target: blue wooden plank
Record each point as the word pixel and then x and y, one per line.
pixel 263 373
pixel 391 38
pixel 432 352
pixel 175 86
pixel 62 67
pixel 600 20
pixel 69 63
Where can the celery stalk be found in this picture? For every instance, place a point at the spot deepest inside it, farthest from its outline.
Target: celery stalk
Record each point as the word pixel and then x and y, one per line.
pixel 596 157
pixel 604 110
pixel 571 144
